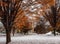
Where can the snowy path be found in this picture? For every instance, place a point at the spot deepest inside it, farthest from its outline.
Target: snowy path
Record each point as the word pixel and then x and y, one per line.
pixel 33 39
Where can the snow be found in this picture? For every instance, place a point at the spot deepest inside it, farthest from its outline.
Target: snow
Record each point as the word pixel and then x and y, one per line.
pixel 49 33
pixel 32 39
pixel 1 25
pixel 47 23
pixel 33 0
pixel 25 1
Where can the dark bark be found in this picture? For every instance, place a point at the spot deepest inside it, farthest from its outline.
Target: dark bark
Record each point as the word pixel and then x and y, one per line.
pixel 8 33
pixel 54 32
pixel 7 24
pixel 52 17
pixel 8 36
pixel 54 12
pixel 13 32
pixel 8 16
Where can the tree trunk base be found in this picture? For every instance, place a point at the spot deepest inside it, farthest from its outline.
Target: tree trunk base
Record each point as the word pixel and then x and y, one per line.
pixel 8 36
pixel 54 32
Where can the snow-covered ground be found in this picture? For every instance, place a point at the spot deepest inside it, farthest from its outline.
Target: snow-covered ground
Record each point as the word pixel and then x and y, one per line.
pixel 32 39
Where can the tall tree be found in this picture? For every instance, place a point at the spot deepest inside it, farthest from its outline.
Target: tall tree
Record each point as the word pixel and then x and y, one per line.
pixel 52 16
pixel 9 9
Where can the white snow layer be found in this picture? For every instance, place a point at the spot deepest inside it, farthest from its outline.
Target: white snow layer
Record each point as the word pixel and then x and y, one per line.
pixel 32 39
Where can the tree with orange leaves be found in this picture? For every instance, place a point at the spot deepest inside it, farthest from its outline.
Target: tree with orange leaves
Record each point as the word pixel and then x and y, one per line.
pixel 22 21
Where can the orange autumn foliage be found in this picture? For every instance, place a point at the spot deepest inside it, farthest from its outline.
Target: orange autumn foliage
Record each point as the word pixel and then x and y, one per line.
pixel 21 20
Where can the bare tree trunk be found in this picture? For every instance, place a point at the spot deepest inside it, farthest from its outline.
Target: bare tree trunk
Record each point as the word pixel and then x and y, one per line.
pixel 13 32
pixel 54 10
pixel 8 36
pixel 54 32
